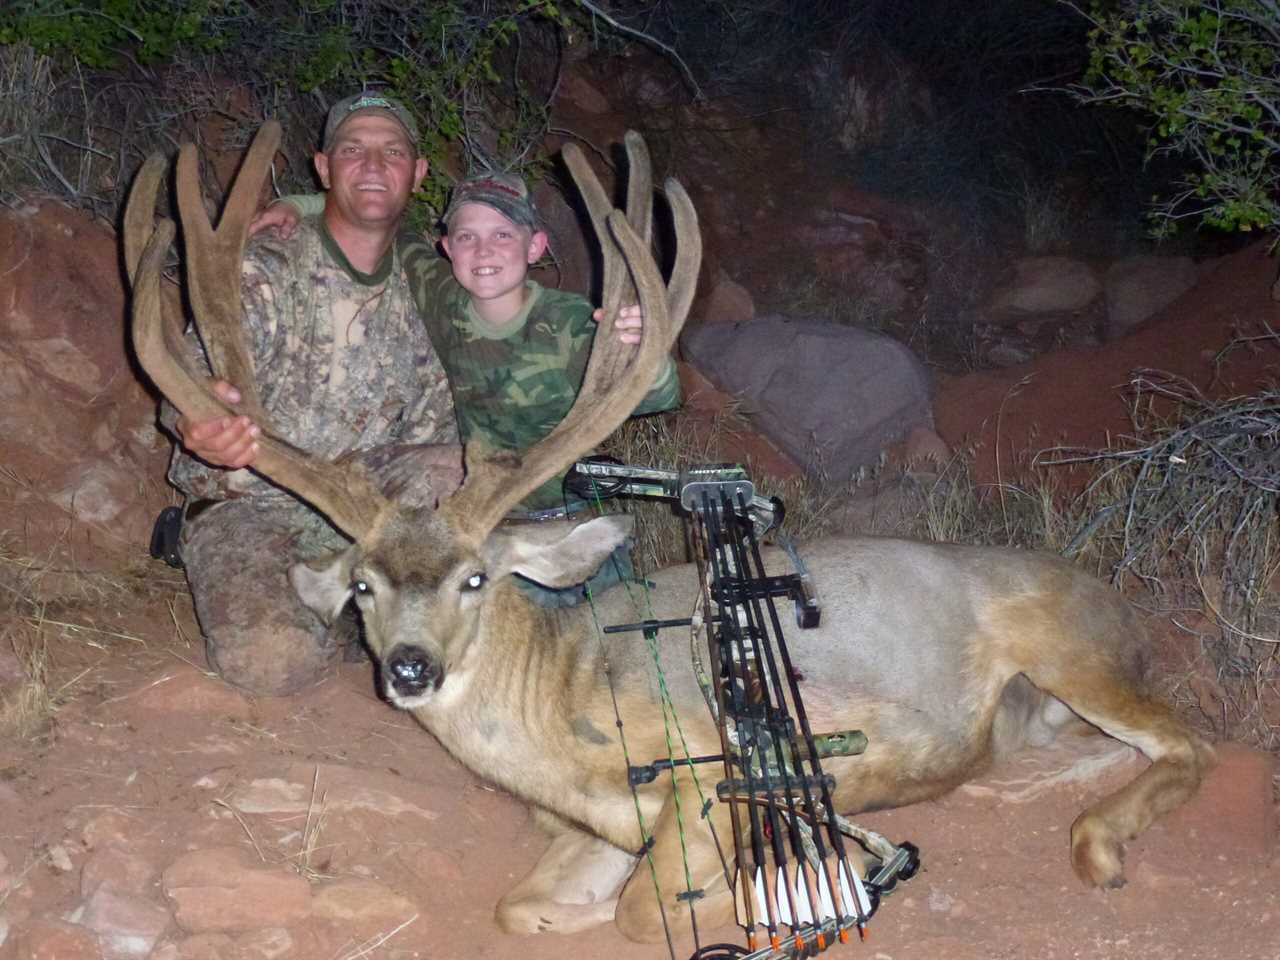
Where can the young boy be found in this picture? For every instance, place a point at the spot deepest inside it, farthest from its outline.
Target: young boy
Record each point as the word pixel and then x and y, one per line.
pixel 514 351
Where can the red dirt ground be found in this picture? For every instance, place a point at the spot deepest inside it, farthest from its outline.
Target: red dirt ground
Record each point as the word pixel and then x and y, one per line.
pixel 149 753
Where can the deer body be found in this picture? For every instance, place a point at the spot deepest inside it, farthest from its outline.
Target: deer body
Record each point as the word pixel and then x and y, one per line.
pixel 945 656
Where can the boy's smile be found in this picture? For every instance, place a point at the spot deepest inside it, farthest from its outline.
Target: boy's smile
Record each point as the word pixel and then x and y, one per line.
pixel 491 257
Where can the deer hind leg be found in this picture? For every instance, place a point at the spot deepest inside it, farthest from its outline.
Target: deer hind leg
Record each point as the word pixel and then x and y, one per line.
pixel 684 852
pixel 574 885
pixel 1179 760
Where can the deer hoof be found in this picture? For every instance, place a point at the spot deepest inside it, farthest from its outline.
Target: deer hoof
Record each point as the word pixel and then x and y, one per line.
pixel 1096 855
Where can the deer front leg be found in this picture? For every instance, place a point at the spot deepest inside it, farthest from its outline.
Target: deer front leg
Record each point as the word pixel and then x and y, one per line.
pixel 573 886
pixel 684 852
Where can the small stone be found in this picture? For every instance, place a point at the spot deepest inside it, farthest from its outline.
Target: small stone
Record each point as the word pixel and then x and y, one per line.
pixel 362 907
pixel 112 828
pixel 114 869
pixel 127 926
pixel 940 902
pixel 59 859
pixel 186 691
pixel 202 946
pixel 224 889
pixel 272 943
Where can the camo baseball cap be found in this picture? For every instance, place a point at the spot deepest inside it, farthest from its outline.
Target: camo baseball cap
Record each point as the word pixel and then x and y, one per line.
pixel 504 192
pixel 345 109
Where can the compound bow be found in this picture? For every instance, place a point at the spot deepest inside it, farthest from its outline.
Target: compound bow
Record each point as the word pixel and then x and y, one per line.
pixel 793 873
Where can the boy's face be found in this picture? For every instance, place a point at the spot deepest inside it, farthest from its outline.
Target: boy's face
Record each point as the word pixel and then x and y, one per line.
pixel 370 170
pixel 491 254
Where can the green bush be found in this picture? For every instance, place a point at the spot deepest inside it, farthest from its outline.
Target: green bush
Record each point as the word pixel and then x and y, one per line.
pixel 1206 74
pixel 130 75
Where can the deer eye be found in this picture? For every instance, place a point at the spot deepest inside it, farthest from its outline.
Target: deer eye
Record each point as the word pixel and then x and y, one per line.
pixel 362 588
pixel 474 582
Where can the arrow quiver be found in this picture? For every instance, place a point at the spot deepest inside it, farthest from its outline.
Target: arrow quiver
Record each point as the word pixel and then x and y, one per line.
pixel 794 876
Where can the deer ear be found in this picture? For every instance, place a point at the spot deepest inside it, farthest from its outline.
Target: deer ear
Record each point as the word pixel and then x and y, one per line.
pixel 324 584
pixel 564 560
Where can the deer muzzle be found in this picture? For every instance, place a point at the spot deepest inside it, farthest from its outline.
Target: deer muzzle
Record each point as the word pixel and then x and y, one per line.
pixel 411 671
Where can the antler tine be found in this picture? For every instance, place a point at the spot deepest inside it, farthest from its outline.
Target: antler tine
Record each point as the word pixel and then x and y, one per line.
pixel 684 274
pixel 213 262
pixel 617 377
pixel 639 186
pixel 346 496
pixel 140 211
pixel 616 283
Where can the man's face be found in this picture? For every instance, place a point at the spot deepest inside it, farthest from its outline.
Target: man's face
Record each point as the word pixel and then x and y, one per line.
pixel 370 171
pixel 490 254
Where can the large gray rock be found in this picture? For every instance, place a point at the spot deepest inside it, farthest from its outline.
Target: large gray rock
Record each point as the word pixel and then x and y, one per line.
pixel 831 397
pixel 1044 285
pixel 1138 287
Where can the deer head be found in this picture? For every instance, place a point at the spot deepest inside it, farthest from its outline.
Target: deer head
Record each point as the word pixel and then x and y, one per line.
pixel 421 577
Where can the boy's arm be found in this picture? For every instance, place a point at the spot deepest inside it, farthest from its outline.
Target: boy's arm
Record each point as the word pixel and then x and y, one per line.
pixel 306 204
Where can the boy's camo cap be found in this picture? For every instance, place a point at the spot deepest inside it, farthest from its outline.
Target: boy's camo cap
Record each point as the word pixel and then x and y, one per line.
pixel 504 192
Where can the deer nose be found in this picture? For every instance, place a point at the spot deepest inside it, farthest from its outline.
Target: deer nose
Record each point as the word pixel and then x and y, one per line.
pixel 412 670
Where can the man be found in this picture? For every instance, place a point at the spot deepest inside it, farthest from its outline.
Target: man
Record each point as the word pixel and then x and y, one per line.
pixel 345 369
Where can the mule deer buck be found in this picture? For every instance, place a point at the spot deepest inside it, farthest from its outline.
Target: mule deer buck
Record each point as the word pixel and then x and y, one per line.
pixel 946 656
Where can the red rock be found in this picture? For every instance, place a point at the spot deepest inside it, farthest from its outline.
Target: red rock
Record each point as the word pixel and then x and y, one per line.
pixel 115 869
pixel 365 908
pixel 202 946
pixel 55 940
pixel 66 385
pixel 127 926
pixel 226 889
pixel 191 693
pixel 728 302
pixel 112 828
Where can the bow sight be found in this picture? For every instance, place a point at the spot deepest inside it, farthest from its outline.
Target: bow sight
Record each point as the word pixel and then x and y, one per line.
pixel 793 875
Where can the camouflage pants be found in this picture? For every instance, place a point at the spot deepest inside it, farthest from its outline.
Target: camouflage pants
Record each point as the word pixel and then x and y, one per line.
pixel 258 635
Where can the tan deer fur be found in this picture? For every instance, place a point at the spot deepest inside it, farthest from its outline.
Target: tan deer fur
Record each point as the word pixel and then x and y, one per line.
pixel 946 656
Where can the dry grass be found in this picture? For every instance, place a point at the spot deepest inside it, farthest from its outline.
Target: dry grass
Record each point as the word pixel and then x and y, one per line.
pixel 1186 512
pixel 26 705
pixel 52 618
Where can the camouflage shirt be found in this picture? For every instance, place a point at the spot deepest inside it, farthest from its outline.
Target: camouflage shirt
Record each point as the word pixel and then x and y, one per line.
pixel 513 384
pixel 342 362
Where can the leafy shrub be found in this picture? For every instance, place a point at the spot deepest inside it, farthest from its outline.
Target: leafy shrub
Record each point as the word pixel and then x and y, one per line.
pixel 1206 75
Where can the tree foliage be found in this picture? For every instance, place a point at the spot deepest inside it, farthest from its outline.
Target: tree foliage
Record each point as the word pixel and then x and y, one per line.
pixel 1206 73
pixel 456 63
